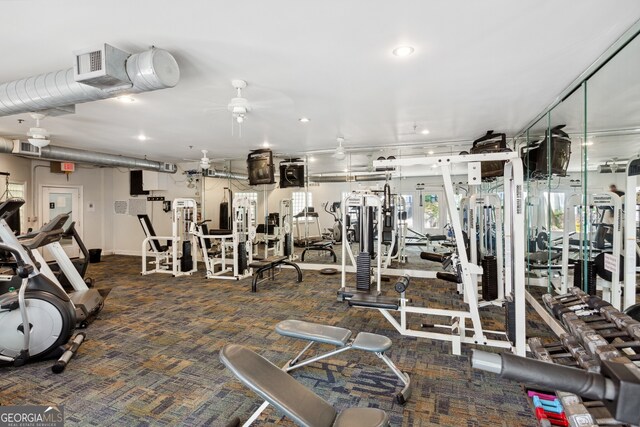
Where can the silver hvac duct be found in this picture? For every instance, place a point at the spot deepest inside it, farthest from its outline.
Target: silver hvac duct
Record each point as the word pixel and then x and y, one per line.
pixel 52 152
pixel 141 72
pixel 226 175
pixel 347 178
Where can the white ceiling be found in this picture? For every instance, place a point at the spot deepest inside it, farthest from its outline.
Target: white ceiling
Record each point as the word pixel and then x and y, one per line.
pixel 477 65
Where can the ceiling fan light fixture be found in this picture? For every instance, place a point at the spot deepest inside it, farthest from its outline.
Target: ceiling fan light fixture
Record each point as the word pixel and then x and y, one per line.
pixel 39 142
pixel 403 51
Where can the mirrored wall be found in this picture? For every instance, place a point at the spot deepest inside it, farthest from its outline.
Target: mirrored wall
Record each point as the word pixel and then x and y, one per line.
pixel 576 158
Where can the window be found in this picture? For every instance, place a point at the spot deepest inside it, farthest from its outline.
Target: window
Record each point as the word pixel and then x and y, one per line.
pixel 18 190
pixel 253 197
pixel 300 200
pixel 556 210
pixel 431 207
pixel 408 208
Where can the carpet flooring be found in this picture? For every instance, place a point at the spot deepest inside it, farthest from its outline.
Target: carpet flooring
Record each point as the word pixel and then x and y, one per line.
pixel 152 356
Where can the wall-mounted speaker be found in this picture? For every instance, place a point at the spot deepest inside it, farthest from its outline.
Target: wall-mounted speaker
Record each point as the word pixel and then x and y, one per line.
pixel 291 173
pixel 260 167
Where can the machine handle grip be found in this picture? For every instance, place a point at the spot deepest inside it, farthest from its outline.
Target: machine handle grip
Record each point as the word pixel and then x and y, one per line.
pixel 431 256
pixel 402 284
pixel 586 384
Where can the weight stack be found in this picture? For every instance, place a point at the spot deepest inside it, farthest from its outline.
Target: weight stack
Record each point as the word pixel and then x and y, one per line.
pixel 363 272
pixel 510 318
pixel 489 278
pixel 287 244
pixel 591 276
pixel 242 257
pixel 186 263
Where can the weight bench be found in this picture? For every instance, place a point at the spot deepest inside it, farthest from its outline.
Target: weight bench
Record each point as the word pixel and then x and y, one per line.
pixel 341 338
pixel 325 245
pixel 269 264
pixel 290 397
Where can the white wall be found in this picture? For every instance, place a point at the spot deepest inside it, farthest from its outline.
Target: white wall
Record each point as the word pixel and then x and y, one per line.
pixel 20 172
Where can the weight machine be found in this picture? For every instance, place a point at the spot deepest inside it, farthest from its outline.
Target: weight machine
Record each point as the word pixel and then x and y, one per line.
pixel 513 255
pixel 486 212
pixel 241 240
pixel 178 257
pixel 610 292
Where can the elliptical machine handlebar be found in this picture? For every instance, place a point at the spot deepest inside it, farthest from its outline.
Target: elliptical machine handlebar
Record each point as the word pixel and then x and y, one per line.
pixel 23 269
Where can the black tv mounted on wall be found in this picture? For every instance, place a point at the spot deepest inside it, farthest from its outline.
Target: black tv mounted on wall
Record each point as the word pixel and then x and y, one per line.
pixel 291 173
pixel 260 167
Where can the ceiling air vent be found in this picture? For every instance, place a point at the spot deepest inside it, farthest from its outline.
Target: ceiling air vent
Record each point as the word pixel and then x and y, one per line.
pixel 168 167
pixel 103 67
pixel 24 147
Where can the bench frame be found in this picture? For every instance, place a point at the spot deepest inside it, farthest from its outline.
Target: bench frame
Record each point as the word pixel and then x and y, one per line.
pixel 401 397
pixel 325 245
pixel 269 265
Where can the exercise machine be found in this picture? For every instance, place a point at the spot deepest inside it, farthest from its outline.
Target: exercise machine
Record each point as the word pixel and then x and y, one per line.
pixel 87 302
pixel 369 209
pixel 289 397
pixel 178 257
pixel 514 292
pixel 239 241
pixel 39 303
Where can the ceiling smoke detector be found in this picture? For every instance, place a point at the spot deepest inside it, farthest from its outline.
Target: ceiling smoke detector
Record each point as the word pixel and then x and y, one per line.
pixel 37 135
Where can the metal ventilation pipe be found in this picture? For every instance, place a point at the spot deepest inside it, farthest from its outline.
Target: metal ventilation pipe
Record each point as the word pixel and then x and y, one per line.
pixel 347 178
pixel 150 70
pixel 52 152
pixel 227 175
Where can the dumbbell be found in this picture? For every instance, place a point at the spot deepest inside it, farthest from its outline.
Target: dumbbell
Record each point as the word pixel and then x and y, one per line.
pixel 548 405
pixel 553 418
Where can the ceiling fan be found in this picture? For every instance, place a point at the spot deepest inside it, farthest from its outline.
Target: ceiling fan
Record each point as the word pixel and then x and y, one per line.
pixel 37 135
pixel 340 152
pixel 263 101
pixel 204 162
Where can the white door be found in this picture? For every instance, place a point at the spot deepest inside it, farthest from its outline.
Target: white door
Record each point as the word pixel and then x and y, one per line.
pixel 63 200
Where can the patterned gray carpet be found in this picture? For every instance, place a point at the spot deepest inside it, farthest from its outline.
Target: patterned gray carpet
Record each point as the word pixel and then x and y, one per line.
pixel 152 356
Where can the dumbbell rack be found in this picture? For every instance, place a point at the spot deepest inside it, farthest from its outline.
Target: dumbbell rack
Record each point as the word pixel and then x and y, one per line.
pixel 596 331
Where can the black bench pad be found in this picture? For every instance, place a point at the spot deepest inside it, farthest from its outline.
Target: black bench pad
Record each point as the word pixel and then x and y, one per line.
pixel 373 301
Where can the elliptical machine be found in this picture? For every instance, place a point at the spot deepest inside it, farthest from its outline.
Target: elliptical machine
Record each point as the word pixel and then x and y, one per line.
pixel 39 303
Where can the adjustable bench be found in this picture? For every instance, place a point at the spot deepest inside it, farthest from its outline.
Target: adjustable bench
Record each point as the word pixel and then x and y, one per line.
pixel 269 264
pixel 290 397
pixel 325 245
pixel 341 338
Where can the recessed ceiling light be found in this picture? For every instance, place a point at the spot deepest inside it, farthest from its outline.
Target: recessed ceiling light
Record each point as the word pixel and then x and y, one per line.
pixel 402 51
pixel 311 159
pixel 346 170
pixel 126 99
pixel 587 143
pixel 265 144
pixel 142 137
pixel 430 152
pixel 425 131
pixel 434 166
pixel 304 120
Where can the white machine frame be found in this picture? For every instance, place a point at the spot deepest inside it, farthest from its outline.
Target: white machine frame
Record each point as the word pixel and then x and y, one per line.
pixel 243 230
pixel 514 254
pixel 361 199
pixel 185 212
pixel 476 203
pixel 611 292
pixel 631 247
